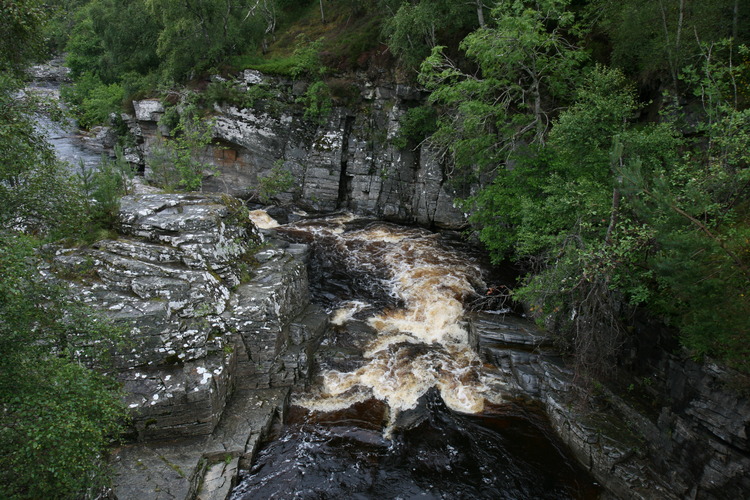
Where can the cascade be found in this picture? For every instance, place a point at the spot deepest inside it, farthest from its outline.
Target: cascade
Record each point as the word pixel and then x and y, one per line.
pixel 65 138
pixel 403 406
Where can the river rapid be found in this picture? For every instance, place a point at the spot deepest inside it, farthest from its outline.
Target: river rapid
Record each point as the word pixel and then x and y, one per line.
pixel 403 406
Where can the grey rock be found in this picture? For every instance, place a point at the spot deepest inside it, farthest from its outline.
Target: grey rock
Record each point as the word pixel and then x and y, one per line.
pixel 219 333
pixel 348 162
pixel 699 444
pixel 149 110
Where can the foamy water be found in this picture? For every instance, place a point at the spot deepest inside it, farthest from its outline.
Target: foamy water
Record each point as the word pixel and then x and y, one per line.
pixel 422 345
pixel 262 220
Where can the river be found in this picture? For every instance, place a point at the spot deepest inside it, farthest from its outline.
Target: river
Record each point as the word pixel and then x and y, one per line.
pixel 65 137
pixel 403 406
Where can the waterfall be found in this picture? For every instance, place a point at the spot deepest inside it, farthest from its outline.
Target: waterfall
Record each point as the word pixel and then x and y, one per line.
pixel 403 406
pixel 419 345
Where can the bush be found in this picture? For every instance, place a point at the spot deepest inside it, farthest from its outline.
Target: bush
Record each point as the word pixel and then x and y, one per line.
pixel 102 189
pixel 417 124
pixel 318 103
pixel 176 162
pixel 278 181
pixel 92 101
pixel 59 417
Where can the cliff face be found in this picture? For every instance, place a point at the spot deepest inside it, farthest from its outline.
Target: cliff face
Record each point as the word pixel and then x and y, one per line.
pixel 220 329
pixel 346 162
pixel 686 436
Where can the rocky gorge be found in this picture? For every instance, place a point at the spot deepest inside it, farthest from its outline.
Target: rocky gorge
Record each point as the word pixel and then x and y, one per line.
pixel 224 328
pixel 345 162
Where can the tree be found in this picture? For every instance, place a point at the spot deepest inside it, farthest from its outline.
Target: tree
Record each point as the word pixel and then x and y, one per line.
pixel 177 161
pixel 21 35
pixel 415 28
pixel 197 34
pixel 698 210
pixel 525 62
pixel 58 416
pixel 560 212
pixel 654 40
pixel 36 194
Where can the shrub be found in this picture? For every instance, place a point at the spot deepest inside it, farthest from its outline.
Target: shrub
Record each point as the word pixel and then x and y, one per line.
pixel 278 181
pixel 416 125
pixel 317 101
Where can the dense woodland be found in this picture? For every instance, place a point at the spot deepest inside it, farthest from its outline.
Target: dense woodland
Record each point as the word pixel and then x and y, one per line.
pixel 603 147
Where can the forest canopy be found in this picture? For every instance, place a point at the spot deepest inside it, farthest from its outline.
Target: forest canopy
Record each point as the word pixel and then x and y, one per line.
pixel 604 143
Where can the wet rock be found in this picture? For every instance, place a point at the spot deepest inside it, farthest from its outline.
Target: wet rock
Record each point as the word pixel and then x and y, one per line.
pixel 695 448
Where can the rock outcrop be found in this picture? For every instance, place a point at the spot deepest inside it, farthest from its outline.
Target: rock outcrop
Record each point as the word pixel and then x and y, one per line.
pixel 695 446
pixel 221 329
pixel 347 161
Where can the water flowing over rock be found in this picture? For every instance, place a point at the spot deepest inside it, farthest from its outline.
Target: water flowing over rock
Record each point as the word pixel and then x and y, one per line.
pixel 420 345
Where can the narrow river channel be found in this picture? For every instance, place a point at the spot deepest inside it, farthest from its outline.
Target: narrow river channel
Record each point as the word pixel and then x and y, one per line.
pixel 403 407
pixel 64 137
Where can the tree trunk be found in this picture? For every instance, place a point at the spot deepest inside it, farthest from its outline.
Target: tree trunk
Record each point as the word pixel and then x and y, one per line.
pixel 322 14
pixel 480 12
pixel 614 215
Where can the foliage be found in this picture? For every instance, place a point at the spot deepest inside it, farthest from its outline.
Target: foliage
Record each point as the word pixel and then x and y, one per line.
pixel 560 211
pixel 415 28
pixel 111 39
pixel 317 101
pixel 277 181
pixel 487 118
pixel 91 101
pixel 58 416
pixel 102 190
pixel 417 124
pixel 306 58
pixel 62 16
pixel 36 193
pixel 699 211
pixel 21 35
pixel 224 92
pixel 228 92
pixel 609 212
pixel 197 34
pixel 654 40
pixel 176 162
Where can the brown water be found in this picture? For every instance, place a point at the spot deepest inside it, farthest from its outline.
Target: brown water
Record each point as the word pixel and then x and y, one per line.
pixel 403 407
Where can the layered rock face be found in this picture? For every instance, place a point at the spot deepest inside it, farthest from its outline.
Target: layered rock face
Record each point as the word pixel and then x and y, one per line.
pixel 694 446
pixel 346 162
pixel 220 329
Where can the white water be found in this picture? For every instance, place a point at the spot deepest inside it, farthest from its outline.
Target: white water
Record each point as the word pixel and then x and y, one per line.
pixel 422 345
